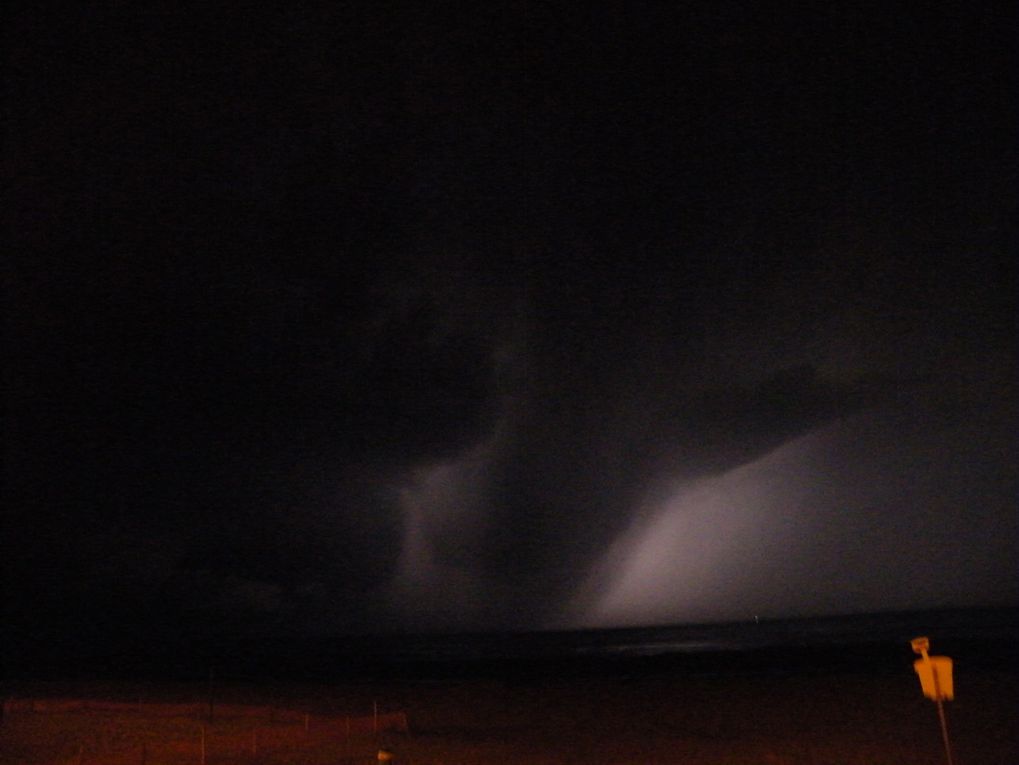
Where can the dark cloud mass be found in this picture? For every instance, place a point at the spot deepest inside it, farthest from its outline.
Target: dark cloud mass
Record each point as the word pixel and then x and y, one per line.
pixel 324 321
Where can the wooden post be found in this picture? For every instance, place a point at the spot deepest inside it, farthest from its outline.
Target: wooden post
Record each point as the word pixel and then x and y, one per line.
pixel 203 746
pixel 210 693
pixel 346 745
pixel 254 742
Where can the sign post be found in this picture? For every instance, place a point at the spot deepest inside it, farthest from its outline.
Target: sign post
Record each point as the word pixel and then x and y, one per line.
pixel 935 673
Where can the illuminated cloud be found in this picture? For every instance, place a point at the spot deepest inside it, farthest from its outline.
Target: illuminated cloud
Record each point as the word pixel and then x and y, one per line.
pixel 689 556
pixel 443 525
pixel 867 513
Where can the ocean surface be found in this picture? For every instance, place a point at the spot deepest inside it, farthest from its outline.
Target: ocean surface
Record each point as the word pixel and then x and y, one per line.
pixel 983 638
pixel 873 643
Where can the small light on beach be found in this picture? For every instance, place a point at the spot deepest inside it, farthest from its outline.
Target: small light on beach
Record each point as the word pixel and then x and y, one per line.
pixel 935 673
pixel 385 755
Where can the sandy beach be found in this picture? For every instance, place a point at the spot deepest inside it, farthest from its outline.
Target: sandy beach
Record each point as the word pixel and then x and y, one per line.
pixel 751 718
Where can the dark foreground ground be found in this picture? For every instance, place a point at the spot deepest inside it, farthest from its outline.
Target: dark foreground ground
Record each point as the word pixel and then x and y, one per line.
pixel 657 715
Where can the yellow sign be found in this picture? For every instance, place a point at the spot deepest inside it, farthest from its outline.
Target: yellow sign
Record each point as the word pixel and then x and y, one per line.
pixel 935 677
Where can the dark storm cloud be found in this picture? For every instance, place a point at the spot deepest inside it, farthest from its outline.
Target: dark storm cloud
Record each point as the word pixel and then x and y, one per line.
pixel 366 319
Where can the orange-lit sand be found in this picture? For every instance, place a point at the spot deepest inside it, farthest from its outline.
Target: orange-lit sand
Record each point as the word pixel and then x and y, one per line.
pixel 822 719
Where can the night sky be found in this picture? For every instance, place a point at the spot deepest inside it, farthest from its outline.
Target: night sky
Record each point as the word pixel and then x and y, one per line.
pixel 326 320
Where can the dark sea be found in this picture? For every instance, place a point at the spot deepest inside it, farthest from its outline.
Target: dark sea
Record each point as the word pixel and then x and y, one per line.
pixel 870 643
pixel 984 638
